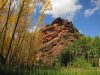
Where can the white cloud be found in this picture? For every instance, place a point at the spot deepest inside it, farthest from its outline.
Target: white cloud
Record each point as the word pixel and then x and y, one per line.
pixel 96 7
pixel 32 29
pixel 64 8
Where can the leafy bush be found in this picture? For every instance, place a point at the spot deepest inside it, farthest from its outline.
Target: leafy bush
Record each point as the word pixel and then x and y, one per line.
pixel 66 58
pixel 84 50
pixel 81 63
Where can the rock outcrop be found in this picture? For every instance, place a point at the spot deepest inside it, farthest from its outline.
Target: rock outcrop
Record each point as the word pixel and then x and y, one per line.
pixel 56 36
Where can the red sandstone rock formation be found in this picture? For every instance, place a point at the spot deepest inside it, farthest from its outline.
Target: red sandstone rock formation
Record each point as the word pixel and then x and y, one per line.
pixel 56 36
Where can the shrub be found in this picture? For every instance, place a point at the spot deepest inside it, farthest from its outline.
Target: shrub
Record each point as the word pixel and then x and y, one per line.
pixel 81 63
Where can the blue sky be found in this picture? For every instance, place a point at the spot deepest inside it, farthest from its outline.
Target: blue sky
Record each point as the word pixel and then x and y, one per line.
pixel 85 15
pixel 90 25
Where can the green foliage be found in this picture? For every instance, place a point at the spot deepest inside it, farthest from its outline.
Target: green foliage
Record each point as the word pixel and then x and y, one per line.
pixel 81 63
pixel 87 48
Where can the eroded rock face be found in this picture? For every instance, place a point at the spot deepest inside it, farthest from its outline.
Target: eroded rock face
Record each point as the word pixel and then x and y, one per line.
pixel 56 36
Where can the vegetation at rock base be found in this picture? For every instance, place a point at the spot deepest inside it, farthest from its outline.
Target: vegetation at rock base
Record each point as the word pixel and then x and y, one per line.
pixel 84 52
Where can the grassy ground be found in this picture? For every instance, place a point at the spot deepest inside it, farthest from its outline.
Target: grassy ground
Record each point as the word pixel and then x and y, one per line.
pixel 80 71
pixel 6 70
pixel 49 71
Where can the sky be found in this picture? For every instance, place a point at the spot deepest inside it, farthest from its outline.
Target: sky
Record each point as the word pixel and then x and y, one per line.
pixel 85 14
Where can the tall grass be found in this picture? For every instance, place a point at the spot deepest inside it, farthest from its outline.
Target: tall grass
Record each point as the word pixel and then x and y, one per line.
pixel 7 70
